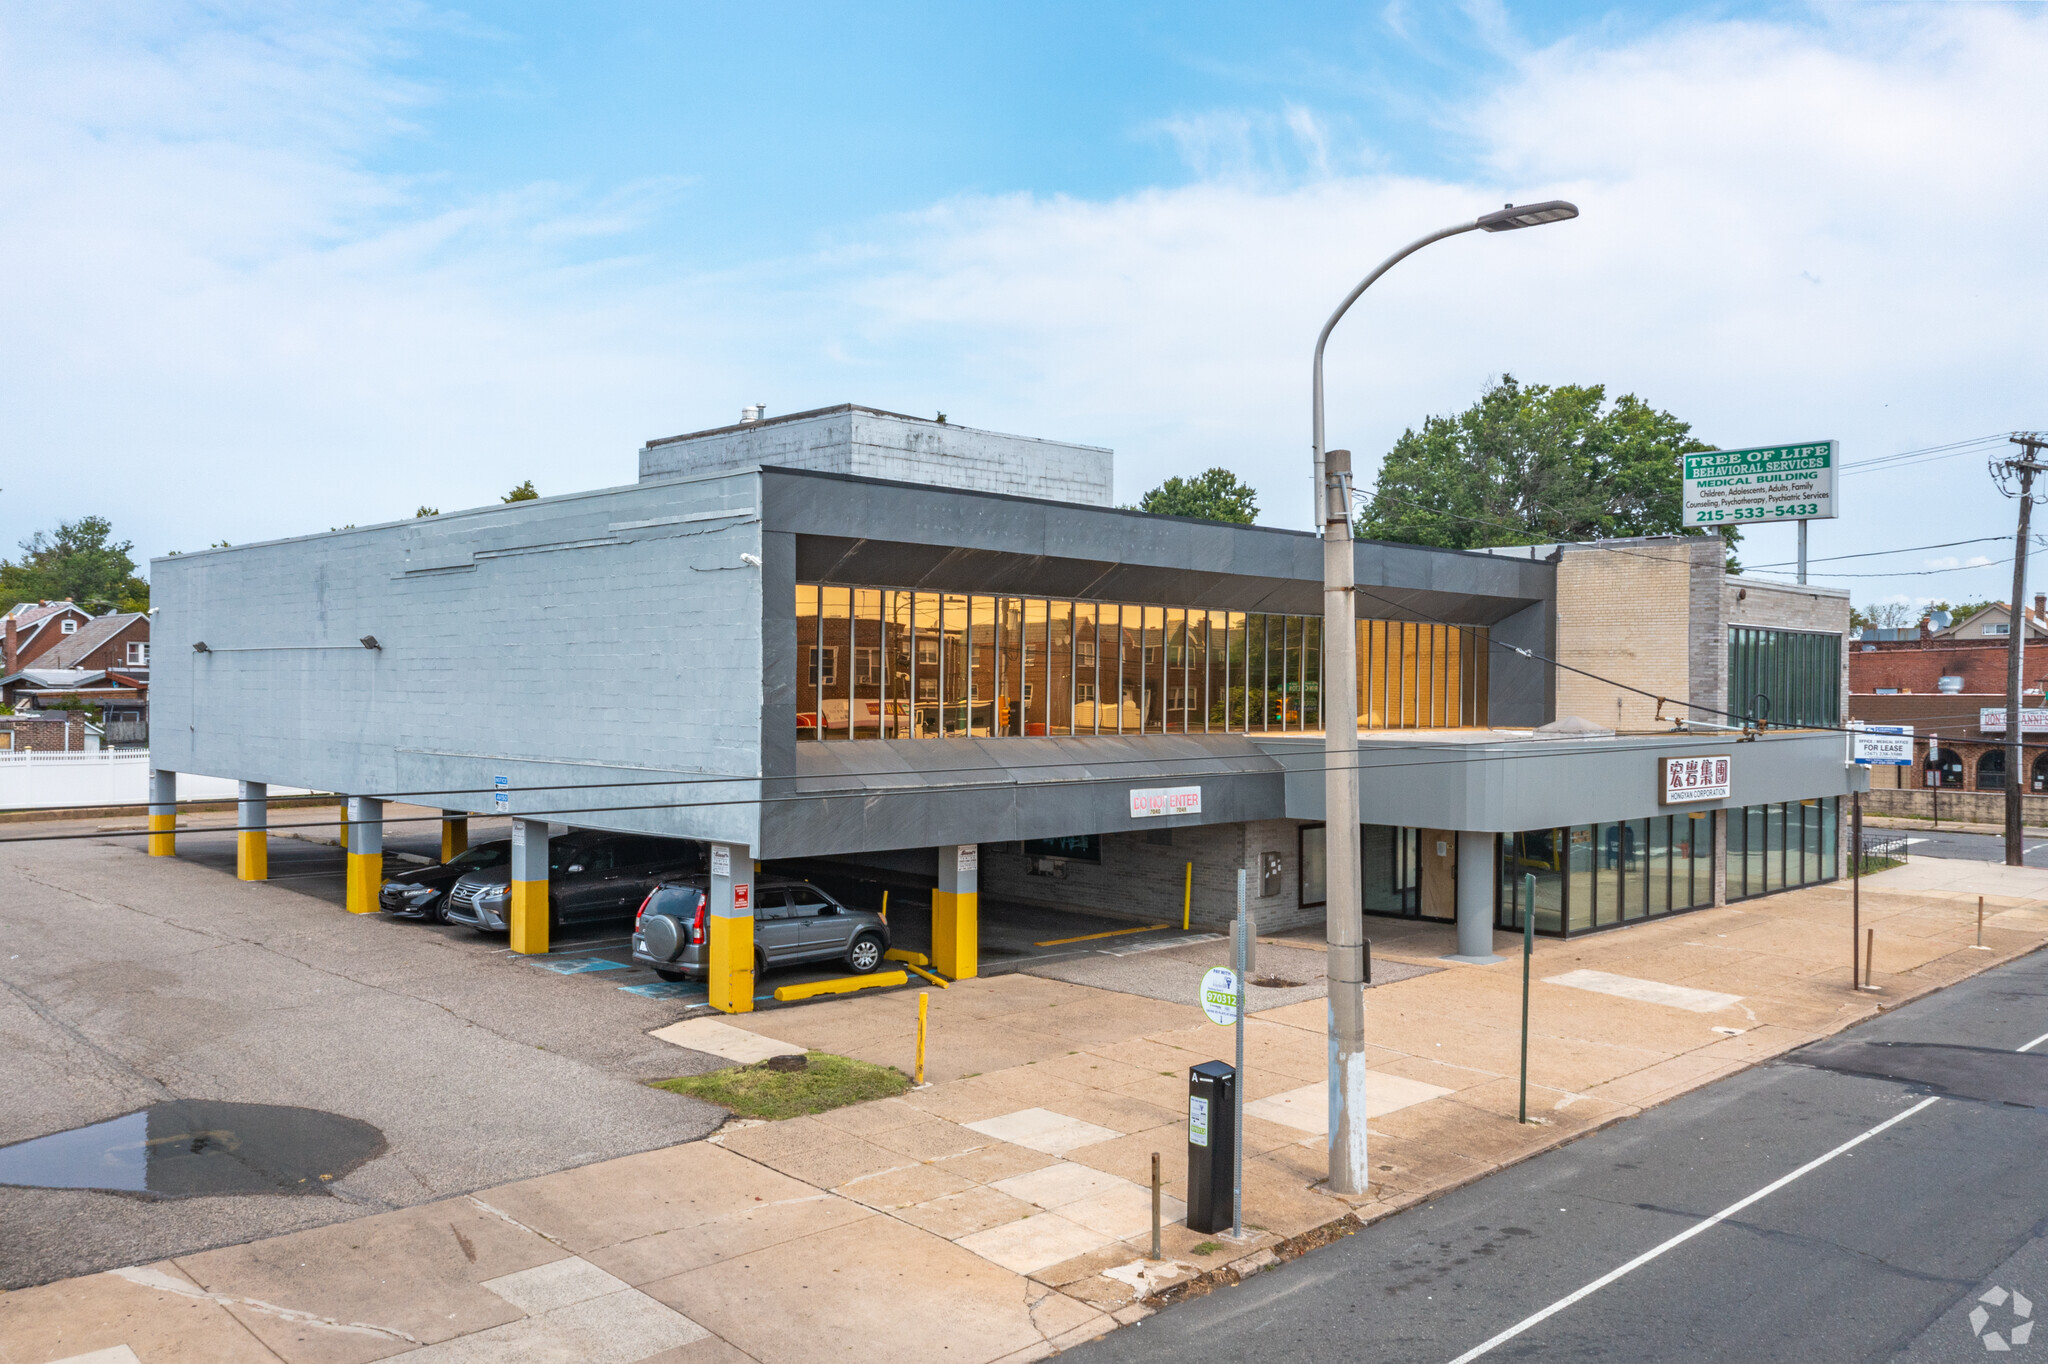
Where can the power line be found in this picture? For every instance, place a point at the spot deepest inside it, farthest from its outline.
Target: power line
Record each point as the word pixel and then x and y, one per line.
pixel 1876 553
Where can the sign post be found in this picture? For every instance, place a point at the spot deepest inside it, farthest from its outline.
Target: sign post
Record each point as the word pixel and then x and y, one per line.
pixel 1760 484
pixel 1528 951
pixel 1237 1166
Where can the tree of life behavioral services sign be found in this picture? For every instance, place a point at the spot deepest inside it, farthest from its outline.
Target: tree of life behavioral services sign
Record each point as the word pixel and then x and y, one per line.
pixel 1767 483
pixel 1681 781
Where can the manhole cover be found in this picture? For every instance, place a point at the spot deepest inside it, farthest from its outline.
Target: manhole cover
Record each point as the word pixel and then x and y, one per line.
pixel 187 1147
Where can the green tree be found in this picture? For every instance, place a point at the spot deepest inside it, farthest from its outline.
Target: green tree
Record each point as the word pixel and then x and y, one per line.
pixel 523 493
pixel 436 511
pixel 1535 465
pixel 1215 495
pixel 1962 611
pixel 78 560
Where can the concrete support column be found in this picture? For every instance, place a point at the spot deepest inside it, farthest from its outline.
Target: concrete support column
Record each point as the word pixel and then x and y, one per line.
pixel 956 912
pixel 163 813
pixel 530 886
pixel 731 981
pixel 365 853
pixel 252 832
pixel 454 834
pixel 1720 818
pixel 1477 875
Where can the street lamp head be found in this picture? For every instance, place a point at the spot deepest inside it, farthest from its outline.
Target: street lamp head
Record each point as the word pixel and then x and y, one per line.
pixel 1513 216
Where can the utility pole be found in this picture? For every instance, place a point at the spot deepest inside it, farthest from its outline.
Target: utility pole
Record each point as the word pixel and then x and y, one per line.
pixel 2024 468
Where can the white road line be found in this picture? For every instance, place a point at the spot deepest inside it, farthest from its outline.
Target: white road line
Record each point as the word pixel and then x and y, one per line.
pixel 2033 1044
pixel 1765 1192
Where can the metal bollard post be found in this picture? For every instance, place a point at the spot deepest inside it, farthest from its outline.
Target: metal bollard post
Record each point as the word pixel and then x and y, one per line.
pixel 1155 1207
pixel 885 905
pixel 1869 957
pixel 924 1000
pixel 1980 924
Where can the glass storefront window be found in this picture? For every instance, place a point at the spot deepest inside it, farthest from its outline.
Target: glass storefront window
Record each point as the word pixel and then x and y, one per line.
pixel 1536 853
pixel 835 673
pixel 1315 867
pixel 807 663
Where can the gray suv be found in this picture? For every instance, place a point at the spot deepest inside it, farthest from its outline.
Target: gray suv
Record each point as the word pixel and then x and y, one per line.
pixel 794 922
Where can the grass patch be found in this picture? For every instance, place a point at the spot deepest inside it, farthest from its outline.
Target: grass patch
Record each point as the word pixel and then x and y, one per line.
pixel 828 1082
pixel 1873 865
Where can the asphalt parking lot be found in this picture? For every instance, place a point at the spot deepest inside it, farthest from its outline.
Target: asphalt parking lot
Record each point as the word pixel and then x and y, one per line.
pixel 127 980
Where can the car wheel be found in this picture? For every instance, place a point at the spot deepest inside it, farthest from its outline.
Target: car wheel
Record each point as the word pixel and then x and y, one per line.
pixel 437 912
pixel 670 976
pixel 760 963
pixel 865 954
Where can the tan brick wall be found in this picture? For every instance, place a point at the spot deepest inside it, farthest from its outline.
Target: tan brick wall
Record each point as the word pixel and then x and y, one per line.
pixel 1624 613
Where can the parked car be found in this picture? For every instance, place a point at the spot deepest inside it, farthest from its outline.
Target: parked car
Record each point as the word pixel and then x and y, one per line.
pixel 421 894
pixel 592 878
pixel 794 923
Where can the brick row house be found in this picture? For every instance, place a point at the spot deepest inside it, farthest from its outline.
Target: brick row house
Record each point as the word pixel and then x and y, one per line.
pixel 58 658
pixel 1949 684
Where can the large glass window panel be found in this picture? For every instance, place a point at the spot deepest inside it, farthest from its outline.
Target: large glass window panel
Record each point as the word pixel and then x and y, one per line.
pixel 1754 850
pixel 896 655
pixel 1312 674
pixel 1635 868
pixel 1216 625
pixel 1255 670
pixel 1810 841
pixel 1087 667
pixel 1774 847
pixel 1036 695
pixel 1662 865
pixel 1289 716
pixel 807 663
pixel 1151 691
pixel 1581 858
pixel 1610 841
pixel 1538 853
pixel 1176 671
pixel 1372 674
pixel 1830 820
pixel 1411 675
pixel 1453 705
pixel 1482 672
pixel 1388 865
pixel 953 665
pixel 1122 641
pixel 1235 696
pixel 866 720
pixel 981 668
pixel 1315 884
pixel 1060 694
pixel 835 673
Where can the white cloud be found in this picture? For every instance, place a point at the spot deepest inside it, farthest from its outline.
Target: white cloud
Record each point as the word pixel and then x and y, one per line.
pixel 229 329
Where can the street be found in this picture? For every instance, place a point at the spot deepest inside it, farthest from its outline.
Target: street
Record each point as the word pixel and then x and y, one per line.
pixel 1933 842
pixel 1880 1252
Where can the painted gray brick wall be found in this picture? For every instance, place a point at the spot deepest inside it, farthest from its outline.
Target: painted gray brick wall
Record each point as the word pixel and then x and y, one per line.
pixel 586 641
pixel 868 443
pixel 1140 878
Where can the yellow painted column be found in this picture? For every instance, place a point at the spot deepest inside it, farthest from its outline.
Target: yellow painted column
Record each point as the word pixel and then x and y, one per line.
pixel 530 886
pixel 956 912
pixel 252 832
pixel 731 965
pixel 454 834
pixel 365 853
pixel 163 814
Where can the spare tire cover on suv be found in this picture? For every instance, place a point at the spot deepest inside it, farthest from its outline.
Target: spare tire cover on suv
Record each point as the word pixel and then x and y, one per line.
pixel 661 936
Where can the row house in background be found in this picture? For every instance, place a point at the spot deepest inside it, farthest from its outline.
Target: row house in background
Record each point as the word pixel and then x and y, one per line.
pixel 1949 684
pixel 60 659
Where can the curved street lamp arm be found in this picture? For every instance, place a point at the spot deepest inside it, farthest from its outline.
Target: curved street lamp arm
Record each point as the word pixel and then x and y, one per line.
pixel 1323 340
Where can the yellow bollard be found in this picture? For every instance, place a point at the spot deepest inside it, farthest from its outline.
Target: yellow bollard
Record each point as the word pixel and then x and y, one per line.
pixel 885 906
pixel 1187 897
pixel 924 999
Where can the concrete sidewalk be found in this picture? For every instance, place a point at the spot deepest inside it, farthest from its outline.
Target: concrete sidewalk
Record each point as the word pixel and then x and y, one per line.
pixel 1001 1213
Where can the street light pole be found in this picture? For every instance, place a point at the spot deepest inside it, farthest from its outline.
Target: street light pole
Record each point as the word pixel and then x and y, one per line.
pixel 1345 924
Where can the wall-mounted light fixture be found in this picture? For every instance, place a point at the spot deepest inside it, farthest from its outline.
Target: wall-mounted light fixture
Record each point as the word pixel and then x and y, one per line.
pixel 370 642
pixel 199 647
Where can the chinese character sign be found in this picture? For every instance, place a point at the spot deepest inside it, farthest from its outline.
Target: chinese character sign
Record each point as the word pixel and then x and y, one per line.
pixel 1683 781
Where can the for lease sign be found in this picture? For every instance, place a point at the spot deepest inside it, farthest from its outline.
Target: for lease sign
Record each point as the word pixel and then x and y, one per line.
pixel 1681 781
pixel 1767 483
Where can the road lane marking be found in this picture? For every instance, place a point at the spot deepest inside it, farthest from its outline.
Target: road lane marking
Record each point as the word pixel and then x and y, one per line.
pixel 2033 1044
pixel 1765 1192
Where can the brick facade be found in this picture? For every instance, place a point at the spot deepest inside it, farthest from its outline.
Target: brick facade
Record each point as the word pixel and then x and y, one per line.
pixel 1141 876
pixel 1624 611
pixel 56 732
pixel 1915 667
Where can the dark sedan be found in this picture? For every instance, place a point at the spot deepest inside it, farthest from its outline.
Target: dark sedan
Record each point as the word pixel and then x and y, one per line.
pixel 421 894
pixel 592 878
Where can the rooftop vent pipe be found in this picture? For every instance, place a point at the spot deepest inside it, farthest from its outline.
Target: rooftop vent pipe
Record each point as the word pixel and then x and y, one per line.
pixel 754 413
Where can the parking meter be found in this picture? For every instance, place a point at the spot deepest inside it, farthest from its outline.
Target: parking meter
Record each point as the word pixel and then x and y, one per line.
pixel 1212 1144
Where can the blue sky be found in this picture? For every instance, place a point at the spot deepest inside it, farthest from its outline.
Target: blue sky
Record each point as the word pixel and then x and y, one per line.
pixel 281 267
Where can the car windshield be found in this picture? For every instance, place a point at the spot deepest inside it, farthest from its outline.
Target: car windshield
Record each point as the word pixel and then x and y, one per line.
pixel 487 855
pixel 679 901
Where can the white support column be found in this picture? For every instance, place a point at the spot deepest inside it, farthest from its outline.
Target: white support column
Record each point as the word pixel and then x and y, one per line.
pixel 956 912
pixel 1477 876
pixel 730 986
pixel 252 832
pixel 365 853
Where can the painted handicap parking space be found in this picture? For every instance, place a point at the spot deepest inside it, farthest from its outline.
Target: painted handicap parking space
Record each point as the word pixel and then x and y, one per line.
pixel 666 989
pixel 577 966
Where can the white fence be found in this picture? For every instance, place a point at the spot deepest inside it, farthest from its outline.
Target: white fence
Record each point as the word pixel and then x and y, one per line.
pixel 109 777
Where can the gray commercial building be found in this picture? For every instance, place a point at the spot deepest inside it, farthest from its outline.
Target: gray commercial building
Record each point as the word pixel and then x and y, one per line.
pixel 859 636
